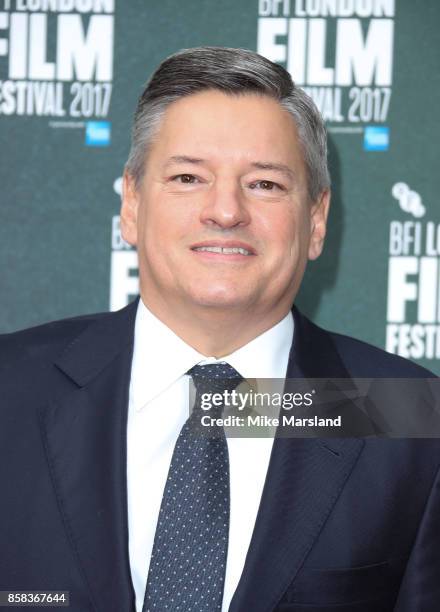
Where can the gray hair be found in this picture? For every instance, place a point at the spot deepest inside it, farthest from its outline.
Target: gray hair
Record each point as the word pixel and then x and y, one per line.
pixel 234 72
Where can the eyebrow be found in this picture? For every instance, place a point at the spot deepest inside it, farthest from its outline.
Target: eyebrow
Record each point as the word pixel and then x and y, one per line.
pixel 282 168
pixel 259 165
pixel 183 159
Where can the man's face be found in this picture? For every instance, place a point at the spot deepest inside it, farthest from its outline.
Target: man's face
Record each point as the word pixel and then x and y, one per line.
pixel 222 218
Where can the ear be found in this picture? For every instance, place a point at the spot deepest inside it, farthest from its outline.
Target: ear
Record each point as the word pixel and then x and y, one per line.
pixel 129 209
pixel 318 219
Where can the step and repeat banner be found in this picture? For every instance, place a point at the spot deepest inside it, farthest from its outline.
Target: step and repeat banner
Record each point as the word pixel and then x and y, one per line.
pixel 70 75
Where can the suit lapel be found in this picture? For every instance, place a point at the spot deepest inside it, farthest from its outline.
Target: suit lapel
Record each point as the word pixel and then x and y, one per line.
pixel 305 478
pixel 84 432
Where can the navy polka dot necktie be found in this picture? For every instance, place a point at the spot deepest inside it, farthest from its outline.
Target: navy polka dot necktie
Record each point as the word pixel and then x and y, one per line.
pixel 188 562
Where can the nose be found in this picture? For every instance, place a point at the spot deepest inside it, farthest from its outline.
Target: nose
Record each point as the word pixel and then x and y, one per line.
pixel 225 207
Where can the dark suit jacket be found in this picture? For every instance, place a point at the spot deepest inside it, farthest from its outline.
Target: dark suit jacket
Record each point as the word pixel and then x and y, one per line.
pixel 344 525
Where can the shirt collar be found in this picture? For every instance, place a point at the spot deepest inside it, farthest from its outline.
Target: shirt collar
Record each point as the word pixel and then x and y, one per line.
pixel 160 357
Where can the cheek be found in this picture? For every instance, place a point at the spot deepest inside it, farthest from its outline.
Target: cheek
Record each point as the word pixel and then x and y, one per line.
pixel 166 226
pixel 287 234
pixel 300 236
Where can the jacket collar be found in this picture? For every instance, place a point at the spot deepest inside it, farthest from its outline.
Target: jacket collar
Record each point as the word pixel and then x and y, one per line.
pixel 99 343
pixel 313 353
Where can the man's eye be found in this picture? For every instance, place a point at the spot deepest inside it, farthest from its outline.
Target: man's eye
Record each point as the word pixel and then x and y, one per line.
pixel 265 185
pixel 186 179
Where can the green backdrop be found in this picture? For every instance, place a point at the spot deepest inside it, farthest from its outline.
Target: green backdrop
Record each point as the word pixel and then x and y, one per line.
pixel 70 75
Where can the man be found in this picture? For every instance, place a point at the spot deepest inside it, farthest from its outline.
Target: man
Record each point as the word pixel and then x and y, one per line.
pixel 226 196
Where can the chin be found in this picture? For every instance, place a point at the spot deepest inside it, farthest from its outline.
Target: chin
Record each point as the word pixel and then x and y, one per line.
pixel 219 299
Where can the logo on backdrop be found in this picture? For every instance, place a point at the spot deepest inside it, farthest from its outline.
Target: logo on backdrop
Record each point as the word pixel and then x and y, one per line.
pixel 124 273
pixel 409 200
pixel 413 310
pixel 340 53
pixel 56 58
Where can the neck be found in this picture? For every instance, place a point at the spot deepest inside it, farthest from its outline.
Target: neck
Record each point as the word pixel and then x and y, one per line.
pixel 216 332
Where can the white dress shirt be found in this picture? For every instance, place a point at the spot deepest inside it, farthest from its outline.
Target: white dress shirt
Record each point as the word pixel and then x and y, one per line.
pixel 158 408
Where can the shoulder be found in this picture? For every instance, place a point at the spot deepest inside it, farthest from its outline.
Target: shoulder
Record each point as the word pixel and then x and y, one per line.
pixel 365 360
pixel 42 342
pixel 327 353
pixel 34 362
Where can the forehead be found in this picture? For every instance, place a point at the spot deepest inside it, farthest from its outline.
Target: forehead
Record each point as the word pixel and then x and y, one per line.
pixel 235 128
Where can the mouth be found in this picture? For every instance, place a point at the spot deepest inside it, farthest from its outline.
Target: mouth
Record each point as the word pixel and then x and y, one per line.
pixel 229 249
pixel 222 250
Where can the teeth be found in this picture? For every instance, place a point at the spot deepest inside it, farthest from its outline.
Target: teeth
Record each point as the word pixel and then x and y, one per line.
pixel 226 250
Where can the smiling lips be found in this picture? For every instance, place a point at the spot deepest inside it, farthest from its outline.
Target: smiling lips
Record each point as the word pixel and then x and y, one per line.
pixel 225 251
pixel 229 249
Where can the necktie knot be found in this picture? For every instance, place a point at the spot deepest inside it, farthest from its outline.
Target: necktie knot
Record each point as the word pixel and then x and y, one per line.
pixel 215 377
